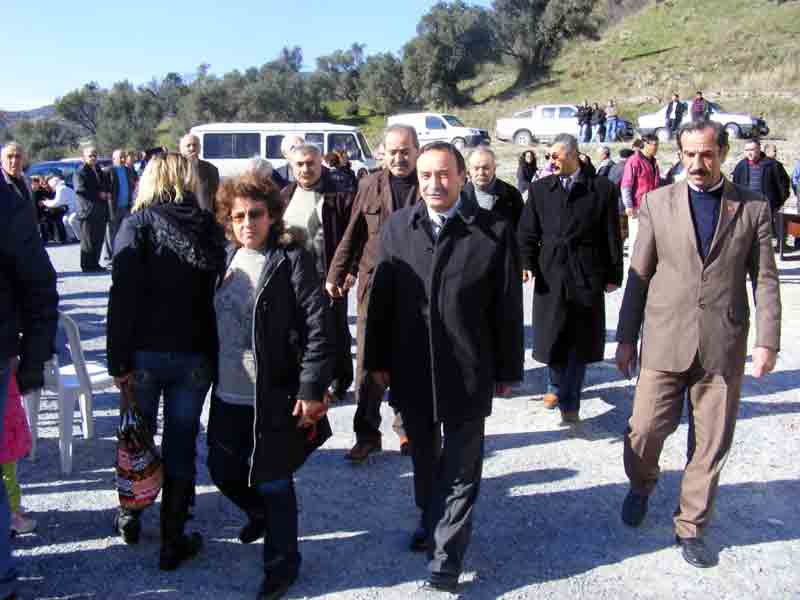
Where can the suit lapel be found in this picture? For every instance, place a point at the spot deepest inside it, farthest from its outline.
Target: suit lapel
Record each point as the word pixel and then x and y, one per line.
pixel 683 213
pixel 728 209
pixel 386 192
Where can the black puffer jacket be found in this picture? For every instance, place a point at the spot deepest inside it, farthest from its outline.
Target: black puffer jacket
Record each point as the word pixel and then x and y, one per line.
pixel 167 259
pixel 28 297
pixel 292 343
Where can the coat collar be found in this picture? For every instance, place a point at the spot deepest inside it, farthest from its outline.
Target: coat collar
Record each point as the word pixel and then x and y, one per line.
pixel 467 210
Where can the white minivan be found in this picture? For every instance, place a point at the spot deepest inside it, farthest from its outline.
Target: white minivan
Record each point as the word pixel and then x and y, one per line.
pixel 229 146
pixel 440 127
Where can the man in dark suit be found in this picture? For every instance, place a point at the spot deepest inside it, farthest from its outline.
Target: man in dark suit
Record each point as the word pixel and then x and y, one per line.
pixel 92 196
pixel 207 174
pixel 444 330
pixel 698 241
pixel 569 238
pixel 490 192
pixel 123 182
pixel 674 114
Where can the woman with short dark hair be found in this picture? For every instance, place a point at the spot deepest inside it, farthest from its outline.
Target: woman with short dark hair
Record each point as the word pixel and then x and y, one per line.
pixel 275 363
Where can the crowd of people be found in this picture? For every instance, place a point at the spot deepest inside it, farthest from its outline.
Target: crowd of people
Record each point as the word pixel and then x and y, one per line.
pixel 239 287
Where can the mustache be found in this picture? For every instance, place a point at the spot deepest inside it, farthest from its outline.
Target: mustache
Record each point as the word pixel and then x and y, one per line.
pixel 698 172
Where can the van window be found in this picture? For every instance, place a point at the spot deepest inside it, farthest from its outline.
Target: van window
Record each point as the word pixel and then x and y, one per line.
pixel 453 121
pixel 231 145
pixel 274 146
pixel 364 145
pixel 318 139
pixel 567 112
pixel 549 112
pixel 434 123
pixel 345 142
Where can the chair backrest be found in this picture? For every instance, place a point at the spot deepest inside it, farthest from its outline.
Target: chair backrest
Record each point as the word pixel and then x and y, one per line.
pixel 76 351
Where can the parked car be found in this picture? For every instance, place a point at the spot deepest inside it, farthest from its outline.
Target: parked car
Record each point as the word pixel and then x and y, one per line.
pixel 64 168
pixel 543 122
pixel 440 127
pixel 229 146
pixel 737 125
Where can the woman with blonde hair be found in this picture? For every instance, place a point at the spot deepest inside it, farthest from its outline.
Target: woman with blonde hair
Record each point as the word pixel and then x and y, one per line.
pixel 161 337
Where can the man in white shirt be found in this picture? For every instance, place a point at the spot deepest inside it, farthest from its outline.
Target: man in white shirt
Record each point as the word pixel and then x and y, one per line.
pixel 64 197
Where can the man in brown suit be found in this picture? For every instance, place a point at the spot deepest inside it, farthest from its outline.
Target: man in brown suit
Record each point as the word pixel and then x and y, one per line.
pixel 698 240
pixel 379 195
pixel 207 174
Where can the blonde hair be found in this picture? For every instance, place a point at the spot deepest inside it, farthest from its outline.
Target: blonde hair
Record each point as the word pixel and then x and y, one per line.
pixel 167 178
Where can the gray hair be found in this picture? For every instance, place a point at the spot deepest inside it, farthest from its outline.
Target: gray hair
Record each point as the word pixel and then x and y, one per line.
pixel 605 151
pixel 570 142
pixel 261 168
pixel 311 149
pixel 13 146
pixel 189 136
pixel 720 135
pixel 402 128
pixel 482 149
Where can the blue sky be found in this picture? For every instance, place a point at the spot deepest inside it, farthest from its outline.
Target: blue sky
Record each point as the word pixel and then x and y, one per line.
pixel 55 46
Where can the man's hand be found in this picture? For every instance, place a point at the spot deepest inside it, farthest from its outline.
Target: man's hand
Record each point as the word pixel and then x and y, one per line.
pixel 332 289
pixel 631 212
pixel 309 411
pixel 382 378
pixel 610 287
pixel 626 358
pixel 763 361
pixel 349 281
pixel 526 276
pixel 502 390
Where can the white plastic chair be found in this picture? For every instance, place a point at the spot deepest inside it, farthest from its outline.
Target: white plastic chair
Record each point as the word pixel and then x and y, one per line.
pixel 70 382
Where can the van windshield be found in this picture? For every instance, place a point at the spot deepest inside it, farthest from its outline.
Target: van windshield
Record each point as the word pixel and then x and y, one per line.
pixel 365 149
pixel 453 121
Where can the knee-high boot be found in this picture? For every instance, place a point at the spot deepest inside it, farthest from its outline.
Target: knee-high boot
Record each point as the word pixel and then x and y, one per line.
pixel 176 546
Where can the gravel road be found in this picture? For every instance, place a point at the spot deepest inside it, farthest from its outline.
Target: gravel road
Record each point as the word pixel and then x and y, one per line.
pixel 547 521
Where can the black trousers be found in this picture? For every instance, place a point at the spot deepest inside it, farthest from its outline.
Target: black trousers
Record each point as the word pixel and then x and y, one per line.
pixel 93 232
pixel 230 446
pixel 343 373
pixel 112 227
pixel 448 463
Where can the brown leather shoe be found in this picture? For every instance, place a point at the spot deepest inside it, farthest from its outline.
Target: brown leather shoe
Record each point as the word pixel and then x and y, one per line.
pixel 361 451
pixel 550 401
pixel 570 417
pixel 405 446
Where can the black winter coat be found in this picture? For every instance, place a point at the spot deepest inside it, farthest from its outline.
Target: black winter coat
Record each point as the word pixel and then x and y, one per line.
pixel 572 244
pixel 773 186
pixel 28 296
pixel 292 344
pixel 508 204
pixel 167 259
pixel 88 183
pixel 445 316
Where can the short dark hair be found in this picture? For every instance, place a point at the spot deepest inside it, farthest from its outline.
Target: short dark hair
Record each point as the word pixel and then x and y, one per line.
pixel 450 149
pixel 625 153
pixel 650 138
pixel 720 135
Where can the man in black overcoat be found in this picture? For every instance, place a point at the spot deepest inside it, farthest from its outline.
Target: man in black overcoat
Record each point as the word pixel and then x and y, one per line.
pixel 569 239
pixel 444 331
pixel 92 194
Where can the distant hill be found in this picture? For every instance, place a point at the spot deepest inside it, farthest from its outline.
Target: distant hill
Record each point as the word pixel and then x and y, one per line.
pixel 11 117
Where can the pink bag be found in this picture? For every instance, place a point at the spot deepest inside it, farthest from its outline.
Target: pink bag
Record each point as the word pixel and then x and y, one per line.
pixel 16 440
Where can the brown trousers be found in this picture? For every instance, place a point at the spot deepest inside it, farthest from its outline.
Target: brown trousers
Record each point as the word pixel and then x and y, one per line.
pixel 713 402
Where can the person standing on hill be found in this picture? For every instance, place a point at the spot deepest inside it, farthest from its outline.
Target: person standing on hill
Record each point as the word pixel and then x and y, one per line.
pixel 584 121
pixel 674 114
pixel 701 109
pixel 598 123
pixel 612 121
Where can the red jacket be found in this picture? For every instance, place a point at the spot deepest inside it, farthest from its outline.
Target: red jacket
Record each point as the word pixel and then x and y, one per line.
pixel 640 177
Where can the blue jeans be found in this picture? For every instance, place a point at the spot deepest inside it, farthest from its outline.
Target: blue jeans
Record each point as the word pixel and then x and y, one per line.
pixel 583 134
pixel 566 382
pixel 184 379
pixel 595 134
pixel 8 574
pixel 611 129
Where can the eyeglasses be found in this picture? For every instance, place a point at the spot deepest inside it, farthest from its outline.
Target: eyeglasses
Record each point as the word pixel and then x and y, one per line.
pixel 253 215
pixel 547 156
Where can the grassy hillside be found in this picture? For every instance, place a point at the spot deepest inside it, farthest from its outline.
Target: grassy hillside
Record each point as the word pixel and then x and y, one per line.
pixel 744 54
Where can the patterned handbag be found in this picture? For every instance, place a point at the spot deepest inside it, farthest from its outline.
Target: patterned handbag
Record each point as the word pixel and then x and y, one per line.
pixel 139 469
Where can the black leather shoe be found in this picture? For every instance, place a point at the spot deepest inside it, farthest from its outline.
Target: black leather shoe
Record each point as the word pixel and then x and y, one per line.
pixel 272 589
pixel 441 582
pixel 634 509
pixel 695 552
pixel 253 530
pixel 419 540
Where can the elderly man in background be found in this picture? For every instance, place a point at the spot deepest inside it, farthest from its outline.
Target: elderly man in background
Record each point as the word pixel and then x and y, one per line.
pixel 490 192
pixel 207 174
pixel 379 195
pixel 12 162
pixel 287 144
pixel 686 293
pixel 606 164
pixel 123 183
pixel 318 212
pixel 93 195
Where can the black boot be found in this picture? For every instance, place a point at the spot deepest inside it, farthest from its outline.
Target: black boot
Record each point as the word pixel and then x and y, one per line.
pixel 128 524
pixel 176 546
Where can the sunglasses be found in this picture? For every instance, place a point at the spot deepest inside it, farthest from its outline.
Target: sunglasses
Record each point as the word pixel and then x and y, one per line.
pixel 254 215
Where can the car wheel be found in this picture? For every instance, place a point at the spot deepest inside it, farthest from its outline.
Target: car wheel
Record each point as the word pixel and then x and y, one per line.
pixel 459 143
pixel 662 133
pixel 523 138
pixel 733 131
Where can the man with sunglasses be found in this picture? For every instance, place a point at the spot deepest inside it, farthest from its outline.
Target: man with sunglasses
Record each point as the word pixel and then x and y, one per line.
pixel 92 192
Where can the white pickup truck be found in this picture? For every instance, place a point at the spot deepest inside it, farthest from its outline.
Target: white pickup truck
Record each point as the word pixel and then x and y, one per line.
pixel 544 122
